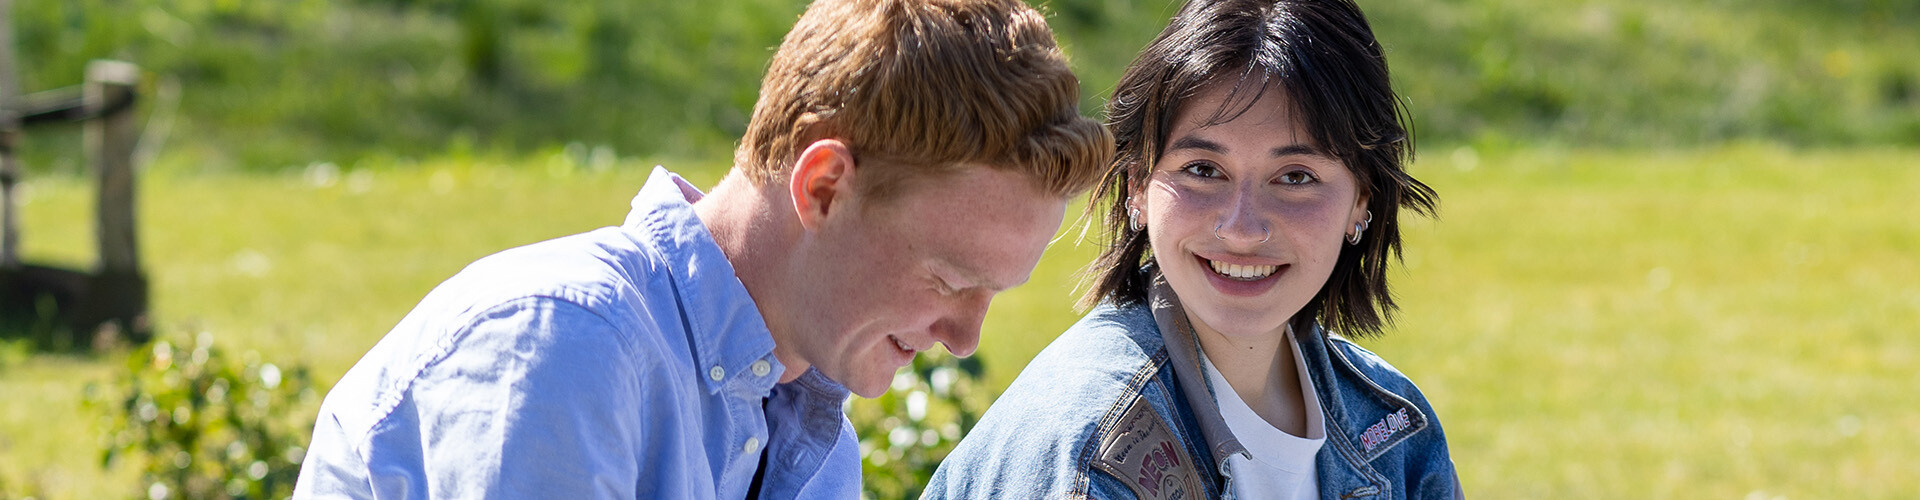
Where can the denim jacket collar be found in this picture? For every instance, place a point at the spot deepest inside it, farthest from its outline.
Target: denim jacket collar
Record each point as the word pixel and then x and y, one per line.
pixel 724 326
pixel 1183 351
pixel 1356 439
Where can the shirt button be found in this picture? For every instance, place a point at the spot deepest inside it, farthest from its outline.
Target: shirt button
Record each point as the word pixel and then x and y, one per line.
pixel 760 368
pixel 717 373
pixel 753 445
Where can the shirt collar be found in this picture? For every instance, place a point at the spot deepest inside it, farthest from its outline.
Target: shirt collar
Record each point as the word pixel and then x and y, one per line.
pixel 723 325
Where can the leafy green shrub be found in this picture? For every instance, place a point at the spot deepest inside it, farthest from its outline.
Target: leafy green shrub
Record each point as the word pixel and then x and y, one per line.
pixel 8 494
pixel 204 426
pixel 905 433
pixel 14 352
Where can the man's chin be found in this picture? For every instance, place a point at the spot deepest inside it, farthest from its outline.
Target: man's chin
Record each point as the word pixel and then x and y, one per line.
pixel 870 386
pixel 869 391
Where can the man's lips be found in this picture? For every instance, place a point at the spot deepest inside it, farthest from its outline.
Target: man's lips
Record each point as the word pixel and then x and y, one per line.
pixel 902 345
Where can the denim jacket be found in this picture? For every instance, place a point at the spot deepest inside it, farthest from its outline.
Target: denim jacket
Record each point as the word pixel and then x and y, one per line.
pixel 1117 407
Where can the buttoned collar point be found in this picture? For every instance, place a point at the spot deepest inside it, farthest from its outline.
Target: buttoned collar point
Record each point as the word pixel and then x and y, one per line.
pixel 729 337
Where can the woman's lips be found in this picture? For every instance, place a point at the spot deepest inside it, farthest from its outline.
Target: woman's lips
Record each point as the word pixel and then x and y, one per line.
pixel 1241 280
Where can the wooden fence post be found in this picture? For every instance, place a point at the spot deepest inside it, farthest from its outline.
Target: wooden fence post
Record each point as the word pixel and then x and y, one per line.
pixel 110 140
pixel 118 296
pixel 9 138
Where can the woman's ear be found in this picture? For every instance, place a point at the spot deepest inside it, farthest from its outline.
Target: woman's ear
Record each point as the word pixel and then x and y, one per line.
pixel 1137 193
pixel 822 175
pixel 1360 213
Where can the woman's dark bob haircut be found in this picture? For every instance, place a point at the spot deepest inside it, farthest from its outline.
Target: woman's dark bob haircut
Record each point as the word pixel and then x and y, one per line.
pixel 1322 53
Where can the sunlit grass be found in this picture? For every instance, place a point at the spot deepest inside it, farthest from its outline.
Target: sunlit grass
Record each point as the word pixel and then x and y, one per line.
pixel 1666 325
pixel 1589 325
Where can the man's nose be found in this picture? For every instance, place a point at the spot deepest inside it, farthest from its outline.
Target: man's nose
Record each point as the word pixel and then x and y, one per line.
pixel 961 332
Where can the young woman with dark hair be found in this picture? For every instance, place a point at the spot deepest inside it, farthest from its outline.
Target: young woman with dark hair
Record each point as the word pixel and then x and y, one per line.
pixel 1253 207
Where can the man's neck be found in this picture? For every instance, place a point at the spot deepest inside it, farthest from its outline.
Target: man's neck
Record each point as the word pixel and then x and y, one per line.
pixel 755 227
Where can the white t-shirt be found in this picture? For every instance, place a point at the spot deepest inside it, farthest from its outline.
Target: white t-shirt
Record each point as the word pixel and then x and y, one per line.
pixel 1277 464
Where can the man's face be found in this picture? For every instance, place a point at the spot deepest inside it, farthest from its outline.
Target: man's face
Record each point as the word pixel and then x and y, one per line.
pixel 893 278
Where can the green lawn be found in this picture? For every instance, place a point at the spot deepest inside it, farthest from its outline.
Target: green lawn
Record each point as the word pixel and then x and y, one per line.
pixel 1737 322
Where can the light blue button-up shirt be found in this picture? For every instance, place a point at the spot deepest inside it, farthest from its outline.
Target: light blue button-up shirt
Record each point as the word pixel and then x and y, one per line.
pixel 627 362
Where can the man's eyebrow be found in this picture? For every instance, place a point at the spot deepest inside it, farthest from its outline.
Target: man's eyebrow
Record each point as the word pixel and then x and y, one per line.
pixel 975 279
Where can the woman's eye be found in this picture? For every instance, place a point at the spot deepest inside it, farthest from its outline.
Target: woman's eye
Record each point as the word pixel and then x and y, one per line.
pixel 1201 169
pixel 1296 177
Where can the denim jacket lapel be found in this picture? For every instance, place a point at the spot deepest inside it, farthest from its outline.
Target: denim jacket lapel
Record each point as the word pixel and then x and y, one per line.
pixel 1363 420
pixel 1184 353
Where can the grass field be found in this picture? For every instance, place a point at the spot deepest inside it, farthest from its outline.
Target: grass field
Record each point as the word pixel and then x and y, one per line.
pixel 1734 322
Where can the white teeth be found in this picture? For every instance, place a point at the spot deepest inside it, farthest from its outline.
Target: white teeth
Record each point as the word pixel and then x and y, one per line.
pixel 1244 273
pixel 901 344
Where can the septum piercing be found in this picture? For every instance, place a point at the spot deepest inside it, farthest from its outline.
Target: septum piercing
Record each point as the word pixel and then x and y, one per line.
pixel 1267 235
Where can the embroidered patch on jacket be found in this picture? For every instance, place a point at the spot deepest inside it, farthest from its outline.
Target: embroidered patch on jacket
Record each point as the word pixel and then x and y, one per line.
pixel 1143 452
pixel 1389 425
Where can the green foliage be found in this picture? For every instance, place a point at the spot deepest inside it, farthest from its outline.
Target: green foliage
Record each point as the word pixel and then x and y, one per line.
pixel 204 426
pixel 905 433
pixel 14 351
pixel 267 85
pixel 7 493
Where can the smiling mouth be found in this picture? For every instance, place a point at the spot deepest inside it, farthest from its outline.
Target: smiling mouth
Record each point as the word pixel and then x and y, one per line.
pixel 1241 273
pixel 902 344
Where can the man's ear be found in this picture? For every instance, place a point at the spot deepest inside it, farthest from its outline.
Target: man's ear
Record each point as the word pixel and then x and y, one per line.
pixel 822 176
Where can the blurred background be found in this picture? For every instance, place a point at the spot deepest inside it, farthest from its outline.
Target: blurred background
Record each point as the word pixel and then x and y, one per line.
pixel 1677 255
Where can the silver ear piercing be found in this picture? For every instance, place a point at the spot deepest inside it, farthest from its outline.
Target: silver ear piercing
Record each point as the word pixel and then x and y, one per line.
pixel 1133 219
pixel 1359 229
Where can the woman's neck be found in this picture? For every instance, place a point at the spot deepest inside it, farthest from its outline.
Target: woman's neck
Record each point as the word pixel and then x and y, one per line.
pixel 1261 370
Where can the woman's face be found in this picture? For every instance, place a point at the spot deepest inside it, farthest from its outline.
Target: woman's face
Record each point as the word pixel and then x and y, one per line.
pixel 1246 218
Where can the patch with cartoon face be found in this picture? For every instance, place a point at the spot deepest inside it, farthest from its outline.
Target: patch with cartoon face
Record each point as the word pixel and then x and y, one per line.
pixel 1143 453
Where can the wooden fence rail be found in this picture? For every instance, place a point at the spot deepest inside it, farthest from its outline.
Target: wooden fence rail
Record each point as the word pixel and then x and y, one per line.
pixel 109 301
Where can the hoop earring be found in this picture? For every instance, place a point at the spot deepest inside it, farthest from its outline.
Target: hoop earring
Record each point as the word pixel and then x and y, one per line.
pixel 1360 228
pixel 1133 219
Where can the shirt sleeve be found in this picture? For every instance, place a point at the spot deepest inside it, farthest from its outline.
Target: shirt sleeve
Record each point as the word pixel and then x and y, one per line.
pixel 533 399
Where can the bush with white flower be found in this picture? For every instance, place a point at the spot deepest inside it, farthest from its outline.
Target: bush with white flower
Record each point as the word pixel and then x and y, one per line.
pixel 905 433
pixel 204 426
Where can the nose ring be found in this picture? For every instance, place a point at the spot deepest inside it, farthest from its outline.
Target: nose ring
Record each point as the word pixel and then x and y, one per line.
pixel 1266 234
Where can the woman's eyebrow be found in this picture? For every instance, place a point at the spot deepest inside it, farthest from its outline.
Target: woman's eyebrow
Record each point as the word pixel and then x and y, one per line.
pixel 1191 142
pixel 1296 149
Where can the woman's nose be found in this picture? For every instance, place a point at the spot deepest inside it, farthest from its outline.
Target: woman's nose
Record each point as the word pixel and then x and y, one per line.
pixel 1241 220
